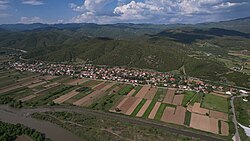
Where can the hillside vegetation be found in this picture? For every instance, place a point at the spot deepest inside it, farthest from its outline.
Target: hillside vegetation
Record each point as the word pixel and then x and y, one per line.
pixel 202 52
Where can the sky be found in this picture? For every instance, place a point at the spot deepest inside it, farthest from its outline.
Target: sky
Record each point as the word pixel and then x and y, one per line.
pixel 121 11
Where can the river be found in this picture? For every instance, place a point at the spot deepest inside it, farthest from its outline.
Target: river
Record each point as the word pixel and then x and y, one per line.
pixel 52 131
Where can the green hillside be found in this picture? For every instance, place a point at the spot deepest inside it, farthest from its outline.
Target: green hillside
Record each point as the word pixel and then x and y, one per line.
pixel 203 53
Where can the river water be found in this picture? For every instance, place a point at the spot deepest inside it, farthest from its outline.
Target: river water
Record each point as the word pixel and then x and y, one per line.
pixel 52 131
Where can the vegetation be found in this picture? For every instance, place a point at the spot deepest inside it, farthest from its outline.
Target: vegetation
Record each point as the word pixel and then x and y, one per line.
pixel 9 132
pixel 188 96
pixel 104 129
pixel 137 89
pixel 139 106
pixel 160 111
pixel 187 118
pixel 153 102
pixel 242 111
pixel 216 103
pixel 125 90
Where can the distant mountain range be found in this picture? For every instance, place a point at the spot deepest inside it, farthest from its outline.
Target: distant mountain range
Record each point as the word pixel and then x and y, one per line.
pixel 237 24
pixel 158 47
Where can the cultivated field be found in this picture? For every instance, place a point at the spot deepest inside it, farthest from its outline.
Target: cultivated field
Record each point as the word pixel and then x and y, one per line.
pixel 205 112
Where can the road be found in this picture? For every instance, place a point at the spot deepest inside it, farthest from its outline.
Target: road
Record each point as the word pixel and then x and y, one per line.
pixel 136 121
pixel 237 135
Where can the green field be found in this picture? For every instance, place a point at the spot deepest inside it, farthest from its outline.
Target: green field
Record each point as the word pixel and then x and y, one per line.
pixel 152 104
pixel 95 128
pixel 216 103
pixel 188 96
pixel 160 111
pixel 242 111
pixel 125 90
pixel 137 89
pixel 137 109
pixel 187 118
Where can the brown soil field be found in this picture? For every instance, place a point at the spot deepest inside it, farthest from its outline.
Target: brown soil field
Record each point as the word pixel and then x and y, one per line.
pixel 76 81
pixel 19 85
pixel 91 83
pixel 169 96
pixel 219 115
pixel 197 109
pixel 46 89
pixel 48 77
pixel 142 92
pixel 154 111
pixel 126 105
pixel 100 86
pixel 204 123
pixel 176 116
pixel 116 89
pixel 37 84
pixel 89 99
pixel 65 97
pixel 168 114
pixel 27 98
pixel 133 106
pixel 51 85
pixel 151 93
pixel 178 99
pixel 189 108
pixel 143 108
pixel 224 128
pixel 118 103
pixel 131 92
pixel 214 125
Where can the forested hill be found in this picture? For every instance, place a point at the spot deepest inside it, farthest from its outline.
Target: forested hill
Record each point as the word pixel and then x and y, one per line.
pixel 199 50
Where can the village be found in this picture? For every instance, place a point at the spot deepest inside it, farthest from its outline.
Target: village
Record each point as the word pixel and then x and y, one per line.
pixel 126 75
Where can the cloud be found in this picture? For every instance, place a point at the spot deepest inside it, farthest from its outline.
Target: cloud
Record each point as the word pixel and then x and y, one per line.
pixel 4 15
pixel 33 2
pixel 4 4
pixel 155 11
pixel 27 20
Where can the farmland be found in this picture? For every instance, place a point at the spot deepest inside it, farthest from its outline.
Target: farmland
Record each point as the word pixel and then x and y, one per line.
pixel 139 101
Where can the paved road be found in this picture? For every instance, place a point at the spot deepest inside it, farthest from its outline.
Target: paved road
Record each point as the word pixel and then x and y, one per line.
pixel 237 135
pixel 120 117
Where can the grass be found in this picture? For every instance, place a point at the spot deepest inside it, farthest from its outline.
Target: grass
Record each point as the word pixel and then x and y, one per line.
pixel 152 104
pixel 216 103
pixel 219 126
pixel 96 128
pixel 187 97
pixel 243 135
pixel 187 118
pixel 137 109
pixel 91 83
pixel 196 98
pixel 125 90
pixel 160 111
pixel 242 111
pixel 137 89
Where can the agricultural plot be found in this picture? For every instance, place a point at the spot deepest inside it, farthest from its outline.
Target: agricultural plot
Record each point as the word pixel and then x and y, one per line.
pixel 204 123
pixel 91 83
pixel 178 99
pixel 76 81
pixel 89 99
pixel 174 115
pixel 216 103
pixel 151 93
pixel 66 97
pixel 144 90
pixel 169 96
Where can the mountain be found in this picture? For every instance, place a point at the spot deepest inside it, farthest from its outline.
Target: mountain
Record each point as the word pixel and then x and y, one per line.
pixel 199 50
pixel 241 25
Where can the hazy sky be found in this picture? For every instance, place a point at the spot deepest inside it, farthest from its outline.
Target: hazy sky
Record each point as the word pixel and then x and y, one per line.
pixel 120 11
